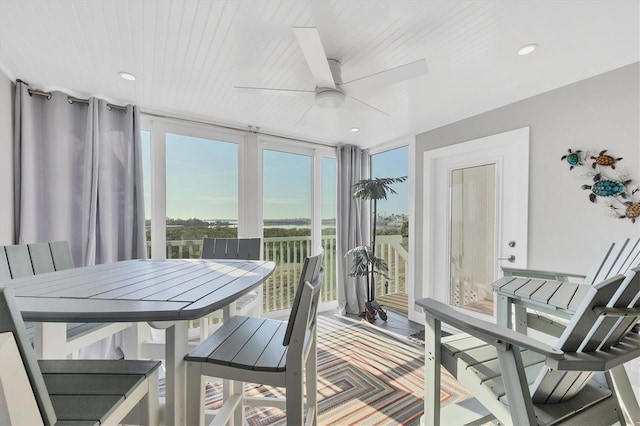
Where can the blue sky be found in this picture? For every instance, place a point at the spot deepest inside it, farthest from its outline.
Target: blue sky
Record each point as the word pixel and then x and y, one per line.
pixel 393 163
pixel 202 180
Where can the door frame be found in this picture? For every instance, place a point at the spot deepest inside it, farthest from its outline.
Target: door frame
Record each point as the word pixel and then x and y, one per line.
pixel 510 152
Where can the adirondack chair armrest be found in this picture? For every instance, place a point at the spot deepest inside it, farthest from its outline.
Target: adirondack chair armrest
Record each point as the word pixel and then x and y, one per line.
pixel 493 334
pixel 615 312
pixel 540 274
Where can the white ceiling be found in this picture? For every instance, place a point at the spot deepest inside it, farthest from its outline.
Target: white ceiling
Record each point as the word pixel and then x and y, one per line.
pixel 189 55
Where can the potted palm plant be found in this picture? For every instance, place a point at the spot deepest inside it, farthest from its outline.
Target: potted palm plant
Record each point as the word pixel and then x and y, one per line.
pixel 365 262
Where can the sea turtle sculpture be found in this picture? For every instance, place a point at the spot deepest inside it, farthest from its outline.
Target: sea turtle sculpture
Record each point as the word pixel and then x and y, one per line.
pixel 573 158
pixel 631 207
pixel 606 188
pixel 631 212
pixel 605 160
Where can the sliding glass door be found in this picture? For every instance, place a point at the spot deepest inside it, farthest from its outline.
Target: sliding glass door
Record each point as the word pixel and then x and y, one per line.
pixel 299 213
pixel 287 206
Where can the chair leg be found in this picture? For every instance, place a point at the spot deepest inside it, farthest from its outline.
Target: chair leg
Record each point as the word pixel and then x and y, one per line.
pixel 195 394
pixel 232 411
pixel 149 405
pixel 619 382
pixel 311 379
pixel 515 383
pixel 295 397
pixel 238 413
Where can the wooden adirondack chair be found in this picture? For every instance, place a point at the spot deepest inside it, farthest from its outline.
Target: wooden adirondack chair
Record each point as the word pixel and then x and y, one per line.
pixel 519 380
pixel 616 259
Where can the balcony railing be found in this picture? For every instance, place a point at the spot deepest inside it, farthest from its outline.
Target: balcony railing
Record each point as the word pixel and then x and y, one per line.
pixel 288 254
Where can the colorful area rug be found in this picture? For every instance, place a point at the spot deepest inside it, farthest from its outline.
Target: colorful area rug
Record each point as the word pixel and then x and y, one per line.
pixel 365 377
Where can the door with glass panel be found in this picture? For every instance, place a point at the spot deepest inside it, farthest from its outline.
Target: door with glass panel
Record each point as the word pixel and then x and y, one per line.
pixel 476 198
pixel 287 202
pixel 299 215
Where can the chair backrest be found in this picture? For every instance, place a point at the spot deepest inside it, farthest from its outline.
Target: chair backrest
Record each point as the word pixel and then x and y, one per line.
pixel 617 259
pixel 590 329
pixel 61 255
pixel 5 273
pixel 41 259
pixel 19 261
pixel 22 374
pixel 230 248
pixel 312 273
pixel 23 260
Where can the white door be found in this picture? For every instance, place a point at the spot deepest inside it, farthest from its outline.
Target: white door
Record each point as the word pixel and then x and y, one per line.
pixel 476 204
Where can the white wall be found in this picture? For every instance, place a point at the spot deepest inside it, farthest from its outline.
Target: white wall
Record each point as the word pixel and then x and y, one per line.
pixel 6 159
pixel 566 231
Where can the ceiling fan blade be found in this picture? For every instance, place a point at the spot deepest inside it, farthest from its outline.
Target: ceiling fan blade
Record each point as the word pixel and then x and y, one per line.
pixel 271 91
pixel 388 77
pixel 301 119
pixel 369 106
pixel 314 53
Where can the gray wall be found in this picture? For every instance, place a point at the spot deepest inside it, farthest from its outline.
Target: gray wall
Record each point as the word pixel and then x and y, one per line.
pixel 566 231
pixel 6 159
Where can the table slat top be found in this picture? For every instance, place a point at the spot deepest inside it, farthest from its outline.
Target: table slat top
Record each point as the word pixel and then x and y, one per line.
pixel 138 290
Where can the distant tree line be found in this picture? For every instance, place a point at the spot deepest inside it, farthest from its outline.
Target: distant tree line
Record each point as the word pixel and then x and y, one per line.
pixel 196 229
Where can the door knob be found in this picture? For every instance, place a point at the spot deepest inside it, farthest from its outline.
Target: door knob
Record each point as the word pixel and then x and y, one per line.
pixel 511 258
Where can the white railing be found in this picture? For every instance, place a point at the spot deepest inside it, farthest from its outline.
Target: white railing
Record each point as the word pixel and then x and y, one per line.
pixel 288 254
pixel 389 248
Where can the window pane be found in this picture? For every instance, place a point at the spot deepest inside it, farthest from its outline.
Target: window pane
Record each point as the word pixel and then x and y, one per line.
pixel 145 138
pixel 473 199
pixel 287 223
pixel 202 192
pixel 392 227
pixel 329 210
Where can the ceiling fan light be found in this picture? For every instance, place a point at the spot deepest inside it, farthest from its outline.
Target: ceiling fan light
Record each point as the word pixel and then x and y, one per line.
pixel 330 99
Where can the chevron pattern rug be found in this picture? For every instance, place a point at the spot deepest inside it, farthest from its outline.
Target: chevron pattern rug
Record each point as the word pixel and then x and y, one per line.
pixel 365 377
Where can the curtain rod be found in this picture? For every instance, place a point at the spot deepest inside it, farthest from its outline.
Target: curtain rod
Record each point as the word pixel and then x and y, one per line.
pixel 251 129
pixel 72 99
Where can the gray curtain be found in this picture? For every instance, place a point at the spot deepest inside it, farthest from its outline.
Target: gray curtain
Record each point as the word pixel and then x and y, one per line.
pixel 352 227
pixel 78 176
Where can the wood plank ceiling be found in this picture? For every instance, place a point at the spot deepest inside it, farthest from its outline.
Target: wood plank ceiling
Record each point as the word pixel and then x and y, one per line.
pixel 189 55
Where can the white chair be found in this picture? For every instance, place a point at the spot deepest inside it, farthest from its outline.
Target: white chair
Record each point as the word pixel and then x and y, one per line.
pixel 519 380
pixel 265 351
pixel 22 260
pixel 616 259
pixel 68 391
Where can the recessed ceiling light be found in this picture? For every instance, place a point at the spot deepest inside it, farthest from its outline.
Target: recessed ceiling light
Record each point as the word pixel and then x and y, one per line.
pixel 355 129
pixel 127 75
pixel 525 50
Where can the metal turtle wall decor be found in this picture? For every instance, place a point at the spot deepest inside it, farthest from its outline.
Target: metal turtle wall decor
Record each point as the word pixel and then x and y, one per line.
pixel 608 185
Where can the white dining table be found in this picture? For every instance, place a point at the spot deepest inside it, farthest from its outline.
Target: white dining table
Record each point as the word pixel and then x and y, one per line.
pixel 168 291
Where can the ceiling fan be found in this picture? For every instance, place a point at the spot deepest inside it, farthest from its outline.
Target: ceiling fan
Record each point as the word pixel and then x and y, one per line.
pixel 331 91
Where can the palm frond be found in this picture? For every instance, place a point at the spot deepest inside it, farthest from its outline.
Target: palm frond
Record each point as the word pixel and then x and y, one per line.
pixel 365 262
pixel 377 188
